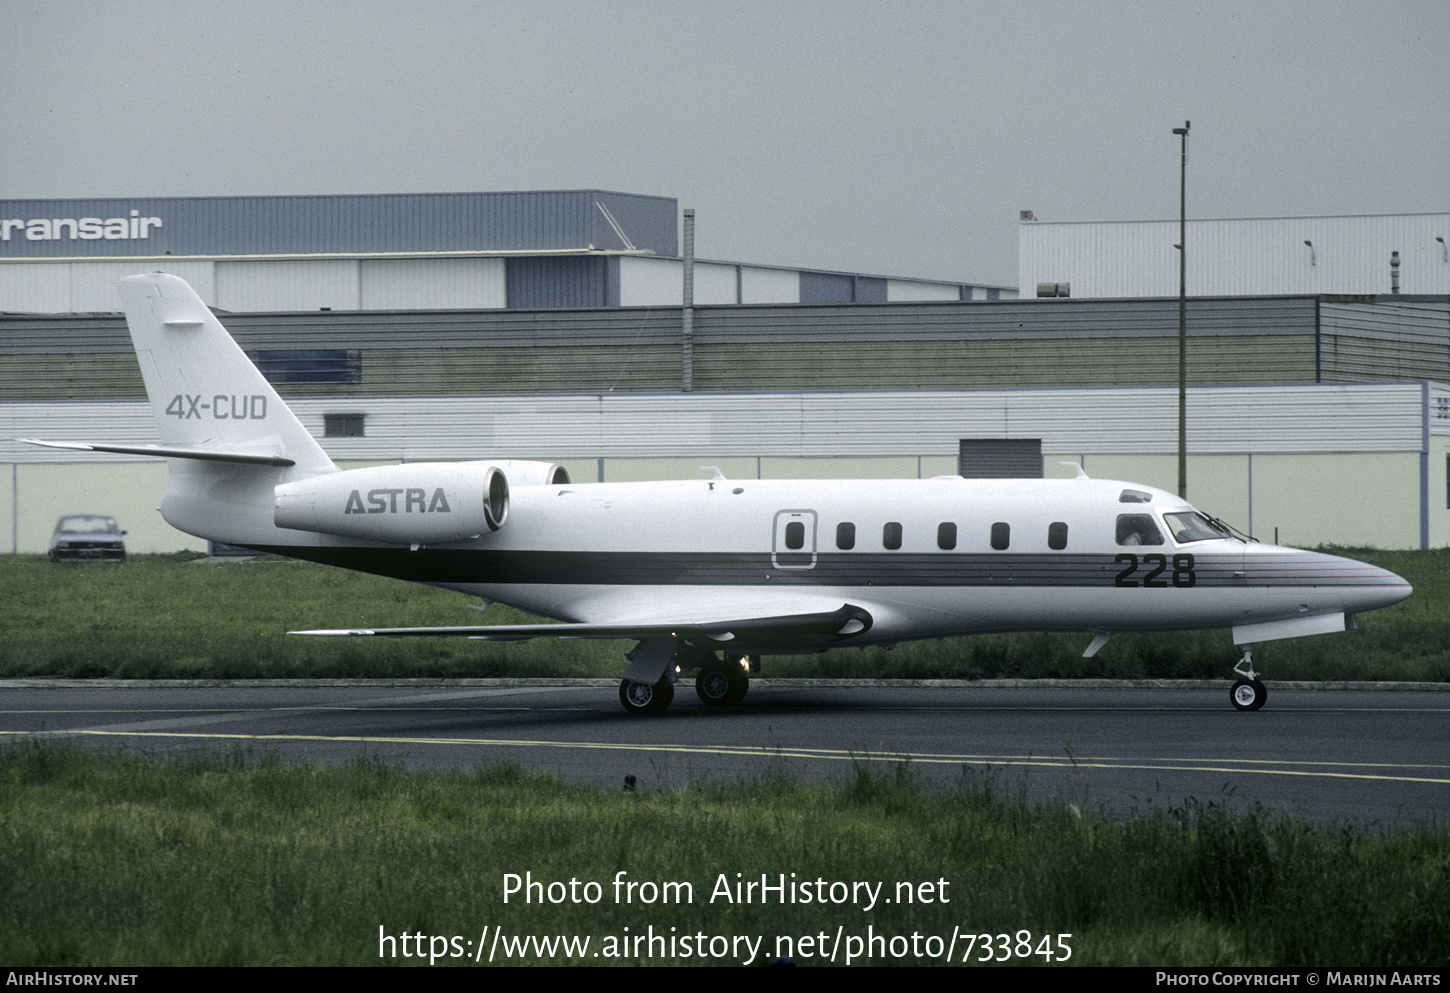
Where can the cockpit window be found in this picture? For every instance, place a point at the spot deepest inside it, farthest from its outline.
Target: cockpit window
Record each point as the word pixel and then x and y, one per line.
pixel 1193 526
pixel 1135 496
pixel 1138 529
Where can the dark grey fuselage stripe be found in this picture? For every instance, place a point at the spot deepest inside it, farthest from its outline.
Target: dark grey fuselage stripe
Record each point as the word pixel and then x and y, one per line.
pixel 844 569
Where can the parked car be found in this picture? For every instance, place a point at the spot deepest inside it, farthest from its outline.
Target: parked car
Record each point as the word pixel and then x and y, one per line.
pixel 87 538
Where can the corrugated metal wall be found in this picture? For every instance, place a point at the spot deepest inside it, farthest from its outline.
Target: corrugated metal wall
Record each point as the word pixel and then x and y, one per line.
pixel 1250 256
pixel 550 220
pixel 753 348
pixel 1379 417
pixel 1387 339
pixel 999 458
pixel 562 281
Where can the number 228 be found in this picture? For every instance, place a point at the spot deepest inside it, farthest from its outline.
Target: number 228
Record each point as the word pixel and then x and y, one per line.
pixel 1180 575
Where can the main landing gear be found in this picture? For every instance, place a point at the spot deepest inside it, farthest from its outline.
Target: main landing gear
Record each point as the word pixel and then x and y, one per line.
pixel 723 686
pixel 648 686
pixel 1247 693
pixel 647 698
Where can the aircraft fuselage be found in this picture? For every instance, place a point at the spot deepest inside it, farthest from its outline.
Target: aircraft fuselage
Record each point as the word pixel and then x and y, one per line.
pixel 927 558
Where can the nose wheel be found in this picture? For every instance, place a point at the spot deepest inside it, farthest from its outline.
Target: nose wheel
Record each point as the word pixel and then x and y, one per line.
pixel 1247 693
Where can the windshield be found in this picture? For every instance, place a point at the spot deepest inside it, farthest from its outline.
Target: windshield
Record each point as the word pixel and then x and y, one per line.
pixel 1194 526
pixel 87 525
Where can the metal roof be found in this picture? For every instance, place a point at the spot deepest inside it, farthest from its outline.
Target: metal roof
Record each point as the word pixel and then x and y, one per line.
pixel 545 221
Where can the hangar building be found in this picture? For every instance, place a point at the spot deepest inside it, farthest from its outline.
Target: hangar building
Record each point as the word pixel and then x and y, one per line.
pixel 1314 417
pixel 1364 254
pixel 427 251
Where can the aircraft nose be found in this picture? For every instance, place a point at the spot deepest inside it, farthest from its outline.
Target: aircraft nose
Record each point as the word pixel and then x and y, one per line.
pixel 1391 588
pixel 1328 581
pixel 1368 586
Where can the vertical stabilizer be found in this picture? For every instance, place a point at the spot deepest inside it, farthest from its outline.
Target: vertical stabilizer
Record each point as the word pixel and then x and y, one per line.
pixel 205 393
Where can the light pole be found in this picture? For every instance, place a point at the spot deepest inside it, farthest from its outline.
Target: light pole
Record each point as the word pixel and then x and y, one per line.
pixel 1183 315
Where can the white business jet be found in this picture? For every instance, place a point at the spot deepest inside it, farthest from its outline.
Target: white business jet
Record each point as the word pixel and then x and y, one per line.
pixel 708 575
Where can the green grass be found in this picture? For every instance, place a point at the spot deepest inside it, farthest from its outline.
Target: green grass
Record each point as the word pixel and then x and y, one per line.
pixel 229 860
pixel 165 616
pixel 161 616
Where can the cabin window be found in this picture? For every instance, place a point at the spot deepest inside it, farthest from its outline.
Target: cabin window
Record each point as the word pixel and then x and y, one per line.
pixel 891 535
pixel 795 535
pixel 1001 536
pixel 1057 536
pixel 1138 529
pixel 946 536
pixel 845 536
pixel 1135 496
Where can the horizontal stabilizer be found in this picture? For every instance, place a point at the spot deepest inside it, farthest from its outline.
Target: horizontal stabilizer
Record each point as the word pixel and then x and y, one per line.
pixel 788 631
pixel 160 451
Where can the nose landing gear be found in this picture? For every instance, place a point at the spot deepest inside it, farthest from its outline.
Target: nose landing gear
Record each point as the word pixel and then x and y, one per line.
pixel 1247 693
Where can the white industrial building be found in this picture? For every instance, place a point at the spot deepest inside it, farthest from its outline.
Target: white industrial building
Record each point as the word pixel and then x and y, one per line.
pixel 1347 464
pixel 1267 256
pixel 548 326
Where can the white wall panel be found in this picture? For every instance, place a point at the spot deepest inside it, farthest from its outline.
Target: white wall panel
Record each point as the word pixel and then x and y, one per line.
pixel 1238 257
pixel 93 284
pixel 1323 463
pixel 433 284
pixel 645 282
pixel 648 282
pixel 35 288
pixel 1376 417
pixel 769 285
pixel 267 285
pixel 911 291
pixel 716 283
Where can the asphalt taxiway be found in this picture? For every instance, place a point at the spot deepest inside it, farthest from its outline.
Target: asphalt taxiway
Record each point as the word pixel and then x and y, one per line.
pixel 1371 757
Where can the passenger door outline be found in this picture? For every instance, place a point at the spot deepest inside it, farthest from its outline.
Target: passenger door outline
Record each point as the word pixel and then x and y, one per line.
pixel 782 553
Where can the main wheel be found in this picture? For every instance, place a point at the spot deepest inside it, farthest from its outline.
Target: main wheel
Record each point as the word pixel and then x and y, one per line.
pixel 713 686
pixel 1248 694
pixel 739 684
pixel 722 687
pixel 644 698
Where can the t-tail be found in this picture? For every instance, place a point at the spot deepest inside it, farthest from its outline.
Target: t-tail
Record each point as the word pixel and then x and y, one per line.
pixel 244 470
pixel 205 393
pixel 228 438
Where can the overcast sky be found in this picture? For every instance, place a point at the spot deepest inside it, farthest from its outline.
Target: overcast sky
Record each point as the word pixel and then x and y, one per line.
pixel 896 137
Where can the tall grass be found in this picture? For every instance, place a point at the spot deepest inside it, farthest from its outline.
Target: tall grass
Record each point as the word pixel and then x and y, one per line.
pixel 164 616
pixel 235 859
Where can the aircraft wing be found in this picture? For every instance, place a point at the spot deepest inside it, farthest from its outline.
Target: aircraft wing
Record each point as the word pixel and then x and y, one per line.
pixel 787 631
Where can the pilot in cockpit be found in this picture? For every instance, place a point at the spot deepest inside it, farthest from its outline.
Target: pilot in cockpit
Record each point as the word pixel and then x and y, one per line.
pixel 1138 529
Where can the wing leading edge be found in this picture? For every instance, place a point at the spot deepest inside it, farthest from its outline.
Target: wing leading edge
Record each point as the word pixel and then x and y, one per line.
pixel 784 632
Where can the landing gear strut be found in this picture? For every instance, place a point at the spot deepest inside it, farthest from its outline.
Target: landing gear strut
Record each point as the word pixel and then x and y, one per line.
pixel 1247 693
